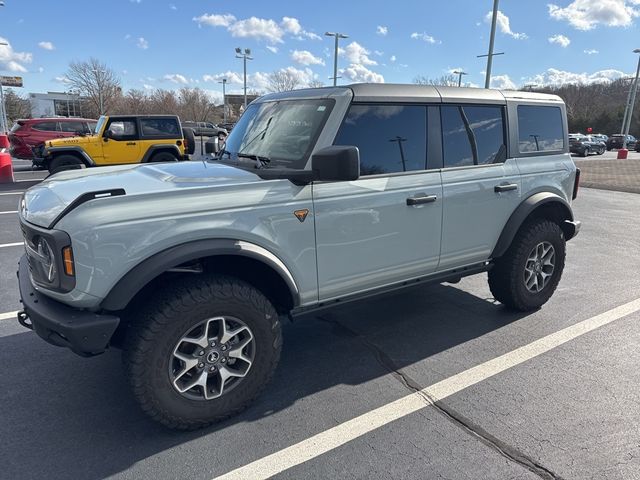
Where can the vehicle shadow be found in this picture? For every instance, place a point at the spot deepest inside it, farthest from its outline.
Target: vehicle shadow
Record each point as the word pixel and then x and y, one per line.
pixel 67 417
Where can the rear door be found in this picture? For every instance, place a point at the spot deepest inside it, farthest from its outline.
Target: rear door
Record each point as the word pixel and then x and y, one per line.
pixel 384 227
pixel 481 186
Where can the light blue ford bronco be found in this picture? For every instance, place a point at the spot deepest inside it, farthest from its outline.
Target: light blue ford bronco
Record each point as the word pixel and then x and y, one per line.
pixel 319 196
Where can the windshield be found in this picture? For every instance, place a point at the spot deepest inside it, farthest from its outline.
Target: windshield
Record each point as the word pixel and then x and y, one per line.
pixel 283 132
pixel 99 125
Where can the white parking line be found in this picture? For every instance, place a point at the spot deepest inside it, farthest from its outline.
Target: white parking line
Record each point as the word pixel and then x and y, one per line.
pixel 337 436
pixel 8 315
pixel 10 211
pixel 11 244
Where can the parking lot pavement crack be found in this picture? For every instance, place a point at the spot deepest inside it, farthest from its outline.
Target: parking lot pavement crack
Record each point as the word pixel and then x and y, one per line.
pixel 474 430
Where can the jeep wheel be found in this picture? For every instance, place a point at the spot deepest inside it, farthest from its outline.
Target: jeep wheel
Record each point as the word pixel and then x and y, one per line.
pixel 163 157
pixel 64 162
pixel 526 276
pixel 202 351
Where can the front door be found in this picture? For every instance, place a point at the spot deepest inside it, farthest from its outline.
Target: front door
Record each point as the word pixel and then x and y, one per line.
pixel 124 144
pixel 385 227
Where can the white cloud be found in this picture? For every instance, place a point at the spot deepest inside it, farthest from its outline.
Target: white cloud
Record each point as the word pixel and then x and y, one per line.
pixel 142 43
pixel 503 23
pixel 591 51
pixel 176 78
pixel 382 30
pixel 272 49
pixel 378 52
pixel 62 79
pixel 40 69
pixel 146 86
pixel 424 37
pixel 588 14
pixel 356 53
pixel 560 40
pixel 215 20
pixel 304 57
pixel 172 6
pixel 12 60
pixel 392 58
pixel 135 1
pixel 502 82
pixel 232 77
pixel 258 28
pixel 360 73
pixel 127 36
pixel 46 45
pixel 556 77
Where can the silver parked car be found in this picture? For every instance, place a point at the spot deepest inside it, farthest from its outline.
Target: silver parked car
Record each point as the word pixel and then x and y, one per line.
pixel 318 197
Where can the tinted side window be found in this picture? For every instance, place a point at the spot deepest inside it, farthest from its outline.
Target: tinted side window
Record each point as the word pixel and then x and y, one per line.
pixel 540 129
pixel 72 127
pixel 46 126
pixel 159 127
pixel 391 138
pixel 471 134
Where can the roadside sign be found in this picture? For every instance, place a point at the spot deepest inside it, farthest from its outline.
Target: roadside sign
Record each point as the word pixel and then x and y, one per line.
pixel 11 81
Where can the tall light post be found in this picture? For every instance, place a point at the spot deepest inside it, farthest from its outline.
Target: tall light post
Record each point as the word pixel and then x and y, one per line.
pixel 490 55
pixel 632 101
pixel 224 100
pixel 244 55
pixel 335 53
pixel 460 73
pixel 4 110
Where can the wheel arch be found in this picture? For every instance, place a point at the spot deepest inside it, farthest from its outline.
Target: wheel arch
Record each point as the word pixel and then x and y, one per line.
pixel 74 151
pixel 153 149
pixel 539 205
pixel 241 259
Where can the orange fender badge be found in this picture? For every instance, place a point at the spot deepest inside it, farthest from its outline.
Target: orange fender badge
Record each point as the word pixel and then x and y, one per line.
pixel 301 214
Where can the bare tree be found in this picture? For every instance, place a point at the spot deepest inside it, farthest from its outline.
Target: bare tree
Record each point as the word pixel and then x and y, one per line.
pixel 195 104
pixel 444 81
pixel 96 81
pixel 316 84
pixel 17 106
pixel 283 81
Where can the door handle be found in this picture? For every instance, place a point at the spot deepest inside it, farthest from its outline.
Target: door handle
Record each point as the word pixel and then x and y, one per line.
pixel 131 143
pixel 505 187
pixel 420 199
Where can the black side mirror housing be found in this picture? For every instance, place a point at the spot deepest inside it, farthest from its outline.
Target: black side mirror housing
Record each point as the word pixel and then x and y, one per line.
pixel 336 163
pixel 108 134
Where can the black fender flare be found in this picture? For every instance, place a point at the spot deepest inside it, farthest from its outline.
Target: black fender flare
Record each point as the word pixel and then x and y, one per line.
pixel 88 161
pixel 147 270
pixel 525 209
pixel 160 147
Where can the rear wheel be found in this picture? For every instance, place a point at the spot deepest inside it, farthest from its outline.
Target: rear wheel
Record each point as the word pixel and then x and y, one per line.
pixel 64 162
pixel 163 157
pixel 585 152
pixel 600 151
pixel 202 351
pixel 526 276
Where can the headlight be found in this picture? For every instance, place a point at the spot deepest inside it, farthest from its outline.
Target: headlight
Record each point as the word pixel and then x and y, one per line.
pixel 46 257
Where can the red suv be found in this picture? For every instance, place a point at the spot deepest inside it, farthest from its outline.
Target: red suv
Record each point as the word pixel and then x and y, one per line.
pixel 29 133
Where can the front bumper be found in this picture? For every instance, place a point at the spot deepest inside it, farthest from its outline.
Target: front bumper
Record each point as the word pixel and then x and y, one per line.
pixel 85 333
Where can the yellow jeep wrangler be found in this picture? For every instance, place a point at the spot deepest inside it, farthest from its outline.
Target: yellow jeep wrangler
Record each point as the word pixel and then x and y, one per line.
pixel 117 140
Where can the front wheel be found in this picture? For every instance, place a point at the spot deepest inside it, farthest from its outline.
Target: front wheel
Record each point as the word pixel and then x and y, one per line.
pixel 585 153
pixel 202 351
pixel 64 162
pixel 526 276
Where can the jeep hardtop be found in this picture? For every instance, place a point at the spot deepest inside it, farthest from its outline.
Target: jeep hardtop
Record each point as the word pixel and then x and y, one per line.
pixel 318 197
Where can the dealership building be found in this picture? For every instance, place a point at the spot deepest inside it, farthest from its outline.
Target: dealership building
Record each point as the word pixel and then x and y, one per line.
pixel 53 104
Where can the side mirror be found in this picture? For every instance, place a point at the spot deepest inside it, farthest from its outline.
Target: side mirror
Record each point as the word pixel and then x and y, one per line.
pixel 336 163
pixel 108 134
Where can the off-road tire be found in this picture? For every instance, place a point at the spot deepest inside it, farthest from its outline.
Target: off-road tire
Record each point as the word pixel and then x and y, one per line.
pixel 506 278
pixel 152 336
pixel 163 157
pixel 190 138
pixel 64 162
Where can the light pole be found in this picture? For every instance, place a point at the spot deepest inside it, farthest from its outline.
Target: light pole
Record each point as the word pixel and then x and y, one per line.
pixel 244 55
pixel 399 139
pixel 632 101
pixel 460 73
pixel 335 53
pixel 224 100
pixel 99 82
pixel 4 111
pixel 490 55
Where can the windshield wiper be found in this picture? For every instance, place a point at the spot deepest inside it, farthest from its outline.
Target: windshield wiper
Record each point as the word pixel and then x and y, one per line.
pixel 260 161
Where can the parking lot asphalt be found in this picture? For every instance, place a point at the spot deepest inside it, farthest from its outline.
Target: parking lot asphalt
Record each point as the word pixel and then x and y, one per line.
pixel 572 412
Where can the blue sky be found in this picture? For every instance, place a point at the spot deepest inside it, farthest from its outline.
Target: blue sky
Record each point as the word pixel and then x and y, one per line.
pixel 175 43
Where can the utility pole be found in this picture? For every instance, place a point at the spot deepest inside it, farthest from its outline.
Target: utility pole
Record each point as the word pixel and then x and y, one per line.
pixel 224 100
pixel 634 90
pixel 335 53
pixel 399 139
pixel 245 55
pixel 494 18
pixel 459 73
pixel 5 127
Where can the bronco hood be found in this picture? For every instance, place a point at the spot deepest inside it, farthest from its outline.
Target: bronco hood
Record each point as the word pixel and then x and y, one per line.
pixel 46 202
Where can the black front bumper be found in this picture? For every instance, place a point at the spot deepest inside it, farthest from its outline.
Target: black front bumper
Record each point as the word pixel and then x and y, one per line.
pixel 85 333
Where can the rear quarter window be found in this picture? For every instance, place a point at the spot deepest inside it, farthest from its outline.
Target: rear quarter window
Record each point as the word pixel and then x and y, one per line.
pixel 160 127
pixel 540 129
pixel 45 126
